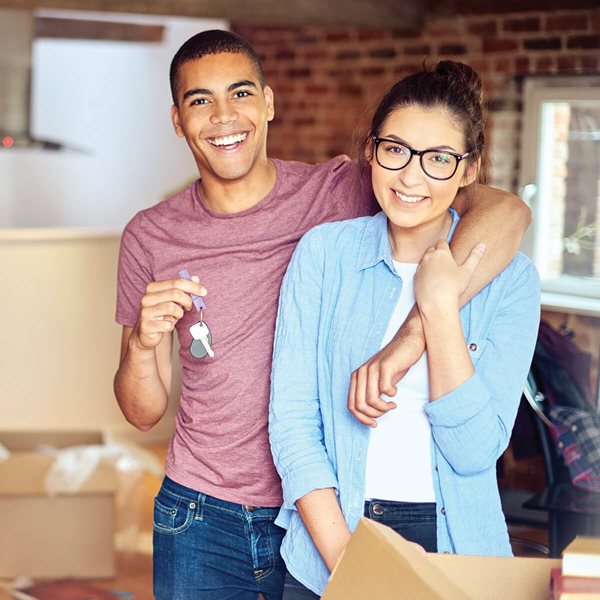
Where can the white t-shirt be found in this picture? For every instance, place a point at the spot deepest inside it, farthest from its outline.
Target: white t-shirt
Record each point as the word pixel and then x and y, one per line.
pixel 399 455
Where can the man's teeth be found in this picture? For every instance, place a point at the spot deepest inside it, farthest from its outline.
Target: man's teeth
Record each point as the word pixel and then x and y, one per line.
pixel 412 199
pixel 228 140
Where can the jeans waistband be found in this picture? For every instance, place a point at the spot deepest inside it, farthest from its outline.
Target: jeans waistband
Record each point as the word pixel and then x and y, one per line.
pixel 188 494
pixel 380 507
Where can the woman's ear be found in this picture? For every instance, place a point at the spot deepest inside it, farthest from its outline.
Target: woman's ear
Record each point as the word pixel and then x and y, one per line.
pixel 471 172
pixel 369 149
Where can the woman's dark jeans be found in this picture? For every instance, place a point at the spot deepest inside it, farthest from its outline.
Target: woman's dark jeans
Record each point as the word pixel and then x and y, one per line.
pixel 415 521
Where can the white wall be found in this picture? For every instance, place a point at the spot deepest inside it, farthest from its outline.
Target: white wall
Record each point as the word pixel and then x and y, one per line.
pixel 109 104
pixel 59 343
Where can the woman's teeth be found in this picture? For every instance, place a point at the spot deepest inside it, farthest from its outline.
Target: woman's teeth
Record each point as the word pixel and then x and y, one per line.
pixel 411 199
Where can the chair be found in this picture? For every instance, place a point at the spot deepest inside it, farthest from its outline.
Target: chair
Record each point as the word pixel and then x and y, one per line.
pixel 571 511
pixel 518 517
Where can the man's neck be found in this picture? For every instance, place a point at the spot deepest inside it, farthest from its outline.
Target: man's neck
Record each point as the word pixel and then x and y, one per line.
pixel 233 196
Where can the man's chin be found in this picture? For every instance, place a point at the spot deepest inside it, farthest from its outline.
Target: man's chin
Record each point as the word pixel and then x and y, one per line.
pixel 233 174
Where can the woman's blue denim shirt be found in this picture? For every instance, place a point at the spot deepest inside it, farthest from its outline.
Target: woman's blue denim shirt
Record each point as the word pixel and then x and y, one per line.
pixel 336 302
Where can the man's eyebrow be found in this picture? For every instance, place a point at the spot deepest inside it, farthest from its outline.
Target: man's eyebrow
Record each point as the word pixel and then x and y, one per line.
pixel 231 88
pixel 197 92
pixel 243 83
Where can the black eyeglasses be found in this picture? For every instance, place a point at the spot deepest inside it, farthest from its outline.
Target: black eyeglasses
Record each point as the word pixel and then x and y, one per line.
pixel 437 164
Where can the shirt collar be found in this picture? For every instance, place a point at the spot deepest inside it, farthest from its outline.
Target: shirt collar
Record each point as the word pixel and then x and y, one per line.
pixel 375 244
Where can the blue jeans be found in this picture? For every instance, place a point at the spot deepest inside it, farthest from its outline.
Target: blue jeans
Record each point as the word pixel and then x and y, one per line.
pixel 209 549
pixel 415 521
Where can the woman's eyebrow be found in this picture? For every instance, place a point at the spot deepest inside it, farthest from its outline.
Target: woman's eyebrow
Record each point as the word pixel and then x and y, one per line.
pixel 394 138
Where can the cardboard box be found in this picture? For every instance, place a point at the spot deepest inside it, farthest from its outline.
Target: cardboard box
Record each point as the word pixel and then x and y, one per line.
pixel 66 535
pixel 379 564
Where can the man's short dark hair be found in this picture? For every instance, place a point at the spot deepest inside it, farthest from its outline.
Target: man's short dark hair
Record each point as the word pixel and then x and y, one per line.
pixel 213 41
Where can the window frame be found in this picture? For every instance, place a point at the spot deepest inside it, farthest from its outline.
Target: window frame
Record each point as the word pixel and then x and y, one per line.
pixel 569 293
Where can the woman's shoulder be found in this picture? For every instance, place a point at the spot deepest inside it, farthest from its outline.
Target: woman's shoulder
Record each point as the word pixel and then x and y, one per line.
pixel 518 281
pixel 334 232
pixel 521 265
pixel 335 241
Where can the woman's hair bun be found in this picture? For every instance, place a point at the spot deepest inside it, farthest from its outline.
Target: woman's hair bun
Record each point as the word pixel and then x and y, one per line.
pixel 460 75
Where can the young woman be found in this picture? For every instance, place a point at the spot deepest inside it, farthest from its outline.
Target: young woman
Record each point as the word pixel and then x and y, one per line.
pixel 429 468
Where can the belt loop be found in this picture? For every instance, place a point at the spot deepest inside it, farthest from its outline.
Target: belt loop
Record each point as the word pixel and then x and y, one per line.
pixel 200 507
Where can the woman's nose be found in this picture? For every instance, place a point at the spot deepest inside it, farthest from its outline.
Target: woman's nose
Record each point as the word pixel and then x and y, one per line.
pixel 412 173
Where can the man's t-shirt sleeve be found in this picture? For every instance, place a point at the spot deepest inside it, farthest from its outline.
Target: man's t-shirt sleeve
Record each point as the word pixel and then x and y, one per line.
pixel 352 189
pixel 134 274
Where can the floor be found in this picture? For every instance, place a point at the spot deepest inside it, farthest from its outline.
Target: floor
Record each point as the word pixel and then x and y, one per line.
pixel 134 567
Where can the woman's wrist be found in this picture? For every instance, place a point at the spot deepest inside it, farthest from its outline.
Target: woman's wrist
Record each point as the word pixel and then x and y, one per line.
pixel 439 307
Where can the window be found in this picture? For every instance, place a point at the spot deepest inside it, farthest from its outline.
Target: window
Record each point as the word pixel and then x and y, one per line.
pixel 560 179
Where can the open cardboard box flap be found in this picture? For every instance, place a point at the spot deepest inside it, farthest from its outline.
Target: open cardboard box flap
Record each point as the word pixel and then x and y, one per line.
pixel 378 563
pixel 24 473
pixel 25 470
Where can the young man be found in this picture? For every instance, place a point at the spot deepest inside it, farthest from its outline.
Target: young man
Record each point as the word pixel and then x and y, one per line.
pixel 234 230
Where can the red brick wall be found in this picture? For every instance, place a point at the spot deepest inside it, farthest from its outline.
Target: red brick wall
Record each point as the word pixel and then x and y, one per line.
pixel 326 80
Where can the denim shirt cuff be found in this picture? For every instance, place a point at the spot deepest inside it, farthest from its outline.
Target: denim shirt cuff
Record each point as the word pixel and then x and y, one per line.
pixel 304 481
pixel 460 405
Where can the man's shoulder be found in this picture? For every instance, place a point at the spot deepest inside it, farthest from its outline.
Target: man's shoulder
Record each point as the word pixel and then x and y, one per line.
pixel 297 166
pixel 335 170
pixel 340 181
pixel 170 209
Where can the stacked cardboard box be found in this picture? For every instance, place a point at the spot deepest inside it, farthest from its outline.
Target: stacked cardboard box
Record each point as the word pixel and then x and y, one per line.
pixel 53 536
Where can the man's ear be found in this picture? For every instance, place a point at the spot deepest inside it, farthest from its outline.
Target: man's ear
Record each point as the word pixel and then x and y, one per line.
pixel 270 102
pixel 471 172
pixel 176 122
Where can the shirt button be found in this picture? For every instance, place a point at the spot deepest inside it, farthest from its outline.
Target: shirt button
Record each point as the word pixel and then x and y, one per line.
pixel 472 347
pixel 437 468
pixel 443 511
pixel 377 509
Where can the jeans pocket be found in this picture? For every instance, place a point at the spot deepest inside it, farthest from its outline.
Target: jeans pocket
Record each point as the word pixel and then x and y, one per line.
pixel 171 514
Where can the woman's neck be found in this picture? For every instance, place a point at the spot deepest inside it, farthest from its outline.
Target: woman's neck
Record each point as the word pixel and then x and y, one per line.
pixel 408 244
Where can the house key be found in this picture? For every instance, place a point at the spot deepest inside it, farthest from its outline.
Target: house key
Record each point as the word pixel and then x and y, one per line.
pixel 200 345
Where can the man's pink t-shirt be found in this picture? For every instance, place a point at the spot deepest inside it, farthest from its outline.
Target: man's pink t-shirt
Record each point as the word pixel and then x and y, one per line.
pixel 221 444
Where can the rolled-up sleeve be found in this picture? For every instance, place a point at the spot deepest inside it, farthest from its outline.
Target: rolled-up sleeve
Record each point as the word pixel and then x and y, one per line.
pixel 295 422
pixel 472 424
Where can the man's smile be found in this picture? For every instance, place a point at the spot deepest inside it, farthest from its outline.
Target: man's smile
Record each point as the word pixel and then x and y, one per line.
pixel 227 140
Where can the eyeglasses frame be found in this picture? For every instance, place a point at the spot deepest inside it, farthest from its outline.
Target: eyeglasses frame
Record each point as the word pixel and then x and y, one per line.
pixel 377 141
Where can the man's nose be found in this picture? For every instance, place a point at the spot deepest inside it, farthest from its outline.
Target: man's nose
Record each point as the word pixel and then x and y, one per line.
pixel 223 113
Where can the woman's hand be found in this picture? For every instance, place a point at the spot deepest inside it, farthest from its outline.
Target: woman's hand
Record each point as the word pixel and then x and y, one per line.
pixel 439 281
